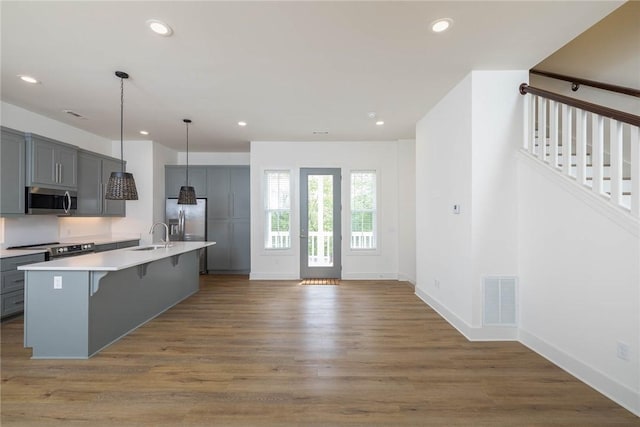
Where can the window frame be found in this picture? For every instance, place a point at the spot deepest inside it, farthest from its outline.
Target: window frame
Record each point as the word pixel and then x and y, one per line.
pixel 267 211
pixel 375 211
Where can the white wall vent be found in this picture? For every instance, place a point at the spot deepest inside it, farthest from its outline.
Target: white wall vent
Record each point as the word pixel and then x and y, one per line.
pixel 499 301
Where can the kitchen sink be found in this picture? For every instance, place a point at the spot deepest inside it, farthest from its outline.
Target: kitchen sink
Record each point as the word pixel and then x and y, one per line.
pixel 150 248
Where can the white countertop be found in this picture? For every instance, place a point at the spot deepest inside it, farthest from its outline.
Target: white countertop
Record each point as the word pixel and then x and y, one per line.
pixel 8 253
pixel 114 260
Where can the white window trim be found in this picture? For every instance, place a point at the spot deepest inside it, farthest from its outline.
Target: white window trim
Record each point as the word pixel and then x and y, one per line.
pixel 347 242
pixel 263 221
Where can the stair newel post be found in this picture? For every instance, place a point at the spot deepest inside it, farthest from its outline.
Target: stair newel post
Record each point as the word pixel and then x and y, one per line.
pixel 597 153
pixel 542 129
pixel 635 170
pixel 566 139
pixel 553 133
pixel 581 146
pixel 615 143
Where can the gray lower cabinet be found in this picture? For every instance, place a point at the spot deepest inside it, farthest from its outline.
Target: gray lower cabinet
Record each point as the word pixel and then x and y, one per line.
pixel 93 174
pixel 176 177
pixel 12 172
pixel 12 283
pixel 51 163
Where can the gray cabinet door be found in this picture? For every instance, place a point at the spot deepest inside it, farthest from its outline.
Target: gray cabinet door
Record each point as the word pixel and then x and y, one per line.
pixel 67 159
pixel 12 173
pixel 239 188
pixel 111 207
pixel 218 195
pixel 218 255
pixel 240 248
pixel 89 184
pixel 51 163
pixel 176 176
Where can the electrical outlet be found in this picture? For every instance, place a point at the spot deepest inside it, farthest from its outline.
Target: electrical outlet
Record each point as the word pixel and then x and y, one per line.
pixel 57 282
pixel 436 283
pixel 623 351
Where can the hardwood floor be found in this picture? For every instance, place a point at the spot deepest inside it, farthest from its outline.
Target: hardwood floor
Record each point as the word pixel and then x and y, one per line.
pixel 276 353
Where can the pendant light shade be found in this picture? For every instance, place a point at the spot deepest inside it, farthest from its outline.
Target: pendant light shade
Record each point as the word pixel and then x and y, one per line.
pixel 187 195
pixel 121 185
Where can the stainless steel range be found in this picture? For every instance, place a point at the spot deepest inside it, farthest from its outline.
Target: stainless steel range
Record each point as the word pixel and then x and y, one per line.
pixel 54 250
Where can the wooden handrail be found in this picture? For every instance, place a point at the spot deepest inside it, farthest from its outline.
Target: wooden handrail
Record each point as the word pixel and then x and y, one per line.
pixel 577 81
pixel 618 115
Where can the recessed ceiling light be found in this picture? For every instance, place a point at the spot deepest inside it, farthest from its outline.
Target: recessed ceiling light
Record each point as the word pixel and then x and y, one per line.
pixel 379 123
pixel 144 132
pixel 28 79
pixel 242 123
pixel 441 25
pixel 372 115
pixel 159 27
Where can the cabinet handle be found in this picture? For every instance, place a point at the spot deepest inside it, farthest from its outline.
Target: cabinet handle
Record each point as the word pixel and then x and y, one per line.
pixel 18 302
pixel 61 179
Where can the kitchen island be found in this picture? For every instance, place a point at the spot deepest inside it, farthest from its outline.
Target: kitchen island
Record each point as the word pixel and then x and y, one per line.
pixel 75 307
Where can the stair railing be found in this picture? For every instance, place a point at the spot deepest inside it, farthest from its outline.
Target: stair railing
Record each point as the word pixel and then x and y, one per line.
pixel 597 146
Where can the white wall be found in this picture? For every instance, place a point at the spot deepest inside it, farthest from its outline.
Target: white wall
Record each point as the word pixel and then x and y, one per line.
pixel 465 155
pixel 443 178
pixel 580 283
pixel 407 210
pixel 381 156
pixel 198 158
pixel 27 121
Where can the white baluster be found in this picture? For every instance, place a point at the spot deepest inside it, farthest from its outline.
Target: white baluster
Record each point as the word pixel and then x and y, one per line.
pixel 581 146
pixel 566 139
pixel 542 129
pixel 615 138
pixel 635 171
pixel 553 133
pixel 597 152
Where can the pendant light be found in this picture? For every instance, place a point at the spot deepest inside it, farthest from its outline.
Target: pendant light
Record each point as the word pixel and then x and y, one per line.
pixel 187 194
pixel 121 185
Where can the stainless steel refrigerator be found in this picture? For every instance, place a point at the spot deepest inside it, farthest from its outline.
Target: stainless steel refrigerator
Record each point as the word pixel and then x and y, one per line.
pixel 188 223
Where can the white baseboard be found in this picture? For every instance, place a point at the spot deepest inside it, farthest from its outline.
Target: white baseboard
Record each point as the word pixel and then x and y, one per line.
pixel 485 333
pixel 619 393
pixel 405 278
pixel 370 276
pixel 273 276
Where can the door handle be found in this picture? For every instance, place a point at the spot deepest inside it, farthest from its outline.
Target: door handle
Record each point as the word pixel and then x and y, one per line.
pixel 303 236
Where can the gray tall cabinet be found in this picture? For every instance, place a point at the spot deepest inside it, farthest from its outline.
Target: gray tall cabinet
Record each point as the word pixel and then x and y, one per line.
pixel 227 190
pixel 12 172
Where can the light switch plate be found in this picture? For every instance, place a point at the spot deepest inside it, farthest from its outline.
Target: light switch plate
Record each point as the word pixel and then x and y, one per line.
pixel 456 209
pixel 57 282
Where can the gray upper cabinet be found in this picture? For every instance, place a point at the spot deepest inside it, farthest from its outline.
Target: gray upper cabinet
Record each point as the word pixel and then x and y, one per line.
pixel 176 177
pixel 12 172
pixel 218 197
pixel 93 174
pixel 51 163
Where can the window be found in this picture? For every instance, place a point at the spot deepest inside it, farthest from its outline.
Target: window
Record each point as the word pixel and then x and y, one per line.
pixel 363 210
pixel 277 210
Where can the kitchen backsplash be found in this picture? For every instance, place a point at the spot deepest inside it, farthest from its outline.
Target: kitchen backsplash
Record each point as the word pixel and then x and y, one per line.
pixel 47 228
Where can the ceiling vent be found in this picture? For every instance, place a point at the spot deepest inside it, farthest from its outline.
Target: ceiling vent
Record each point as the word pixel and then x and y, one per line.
pixel 321 132
pixel 74 114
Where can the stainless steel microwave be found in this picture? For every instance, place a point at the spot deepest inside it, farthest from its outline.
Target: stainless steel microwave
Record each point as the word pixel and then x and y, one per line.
pixel 39 201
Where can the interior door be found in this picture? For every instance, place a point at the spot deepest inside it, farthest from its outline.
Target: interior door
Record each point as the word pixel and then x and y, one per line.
pixel 320 224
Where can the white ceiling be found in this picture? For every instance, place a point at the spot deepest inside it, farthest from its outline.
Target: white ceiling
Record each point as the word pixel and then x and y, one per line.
pixel 286 68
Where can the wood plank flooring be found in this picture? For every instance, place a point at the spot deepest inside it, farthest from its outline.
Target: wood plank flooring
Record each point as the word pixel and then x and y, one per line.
pixel 244 353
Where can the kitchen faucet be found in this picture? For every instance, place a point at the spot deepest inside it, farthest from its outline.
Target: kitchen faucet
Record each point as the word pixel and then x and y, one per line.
pixel 166 231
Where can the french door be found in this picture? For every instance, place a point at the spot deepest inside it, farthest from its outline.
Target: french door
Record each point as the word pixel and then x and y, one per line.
pixel 320 224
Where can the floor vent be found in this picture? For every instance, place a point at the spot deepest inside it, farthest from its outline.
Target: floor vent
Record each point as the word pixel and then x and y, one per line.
pixel 499 301
pixel 320 282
